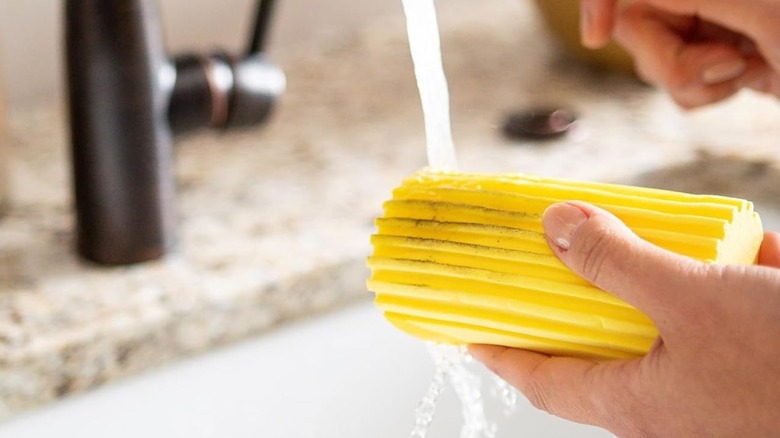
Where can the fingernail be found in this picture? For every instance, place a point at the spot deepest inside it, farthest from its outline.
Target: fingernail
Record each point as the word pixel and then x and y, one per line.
pixel 724 71
pixel 560 222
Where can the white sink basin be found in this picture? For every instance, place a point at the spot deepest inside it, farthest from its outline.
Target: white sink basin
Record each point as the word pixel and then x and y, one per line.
pixel 342 375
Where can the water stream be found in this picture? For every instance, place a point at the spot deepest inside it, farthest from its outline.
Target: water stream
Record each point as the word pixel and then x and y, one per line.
pixel 425 46
pixel 454 366
pixel 452 362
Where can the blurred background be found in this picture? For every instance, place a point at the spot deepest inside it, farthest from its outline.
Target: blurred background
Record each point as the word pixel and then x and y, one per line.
pixel 31 34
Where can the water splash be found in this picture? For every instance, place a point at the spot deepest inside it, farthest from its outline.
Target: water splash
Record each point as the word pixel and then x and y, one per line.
pixel 427 406
pixel 506 393
pixel 453 366
pixel 467 385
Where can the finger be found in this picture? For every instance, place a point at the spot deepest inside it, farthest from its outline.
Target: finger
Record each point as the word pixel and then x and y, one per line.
pixel 576 389
pixel 768 83
pixel 757 20
pixel 597 18
pixel 769 254
pixel 695 74
pixel 760 77
pixel 652 37
pixel 601 249
pixel 700 95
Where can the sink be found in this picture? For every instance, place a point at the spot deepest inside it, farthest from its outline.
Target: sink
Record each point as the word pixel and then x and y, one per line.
pixel 344 374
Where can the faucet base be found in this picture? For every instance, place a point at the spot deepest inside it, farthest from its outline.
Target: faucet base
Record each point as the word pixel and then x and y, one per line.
pixel 121 143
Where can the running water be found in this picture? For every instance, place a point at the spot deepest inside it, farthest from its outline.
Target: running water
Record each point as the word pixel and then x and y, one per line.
pixel 428 68
pixel 506 393
pixel 453 366
pixel 427 407
pixel 451 361
pixel 467 386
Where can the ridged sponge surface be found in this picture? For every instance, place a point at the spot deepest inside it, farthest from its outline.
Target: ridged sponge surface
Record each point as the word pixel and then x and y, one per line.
pixel 462 258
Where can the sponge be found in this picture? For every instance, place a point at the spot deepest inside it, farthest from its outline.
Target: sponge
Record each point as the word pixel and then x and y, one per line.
pixel 461 258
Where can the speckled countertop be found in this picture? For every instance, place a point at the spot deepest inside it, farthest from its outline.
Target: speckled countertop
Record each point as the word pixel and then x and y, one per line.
pixel 274 222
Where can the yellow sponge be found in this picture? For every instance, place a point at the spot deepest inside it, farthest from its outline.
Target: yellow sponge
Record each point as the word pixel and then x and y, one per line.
pixel 462 258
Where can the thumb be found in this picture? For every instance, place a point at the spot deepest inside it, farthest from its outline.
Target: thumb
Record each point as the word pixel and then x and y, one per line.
pixel 601 249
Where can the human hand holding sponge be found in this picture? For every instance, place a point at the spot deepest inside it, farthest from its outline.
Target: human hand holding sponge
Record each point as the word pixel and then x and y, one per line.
pixel 462 258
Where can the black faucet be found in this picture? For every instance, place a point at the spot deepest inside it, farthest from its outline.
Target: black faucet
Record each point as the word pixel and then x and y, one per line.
pixel 127 99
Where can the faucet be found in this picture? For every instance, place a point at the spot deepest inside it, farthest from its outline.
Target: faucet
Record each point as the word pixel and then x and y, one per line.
pixel 127 99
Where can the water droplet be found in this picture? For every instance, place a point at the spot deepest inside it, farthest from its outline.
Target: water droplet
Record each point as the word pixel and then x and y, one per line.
pixel 506 393
pixel 452 364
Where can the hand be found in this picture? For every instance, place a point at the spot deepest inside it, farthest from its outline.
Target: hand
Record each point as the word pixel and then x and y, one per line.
pixel 715 369
pixel 701 51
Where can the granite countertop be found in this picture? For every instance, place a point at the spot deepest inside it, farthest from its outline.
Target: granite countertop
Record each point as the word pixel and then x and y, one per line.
pixel 274 222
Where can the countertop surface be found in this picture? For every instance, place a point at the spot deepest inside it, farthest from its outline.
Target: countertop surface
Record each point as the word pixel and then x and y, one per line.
pixel 274 222
pixel 362 383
